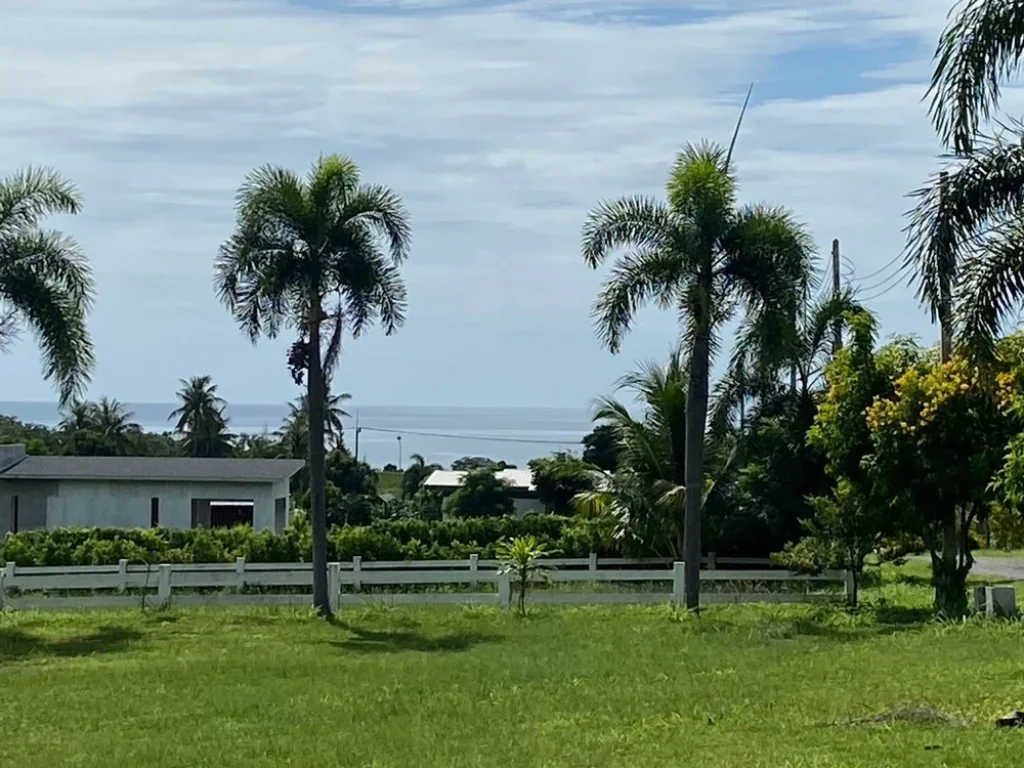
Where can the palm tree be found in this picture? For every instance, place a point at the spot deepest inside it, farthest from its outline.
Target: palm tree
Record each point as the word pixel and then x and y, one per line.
pixel 301 242
pixel 648 493
pixel 79 416
pixel 701 257
pixel 114 423
pixel 982 44
pixel 45 280
pixel 334 426
pixel 415 474
pixel 201 420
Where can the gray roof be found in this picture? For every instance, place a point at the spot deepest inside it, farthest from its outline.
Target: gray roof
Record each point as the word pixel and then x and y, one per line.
pixel 152 468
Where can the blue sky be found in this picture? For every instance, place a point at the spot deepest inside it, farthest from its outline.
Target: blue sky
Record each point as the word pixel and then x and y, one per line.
pixel 501 124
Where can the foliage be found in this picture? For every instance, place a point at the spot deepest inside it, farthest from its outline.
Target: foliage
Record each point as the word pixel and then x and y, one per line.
pixel 45 280
pixel 415 474
pixel 938 441
pixel 482 494
pixel 560 477
pixel 601 448
pixel 520 558
pixel 300 243
pixel 380 540
pixel 469 463
pixel 104 428
pixel 707 260
pixel 201 421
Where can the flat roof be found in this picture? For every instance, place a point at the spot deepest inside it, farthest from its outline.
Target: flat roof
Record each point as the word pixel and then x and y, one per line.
pixel 520 479
pixel 152 468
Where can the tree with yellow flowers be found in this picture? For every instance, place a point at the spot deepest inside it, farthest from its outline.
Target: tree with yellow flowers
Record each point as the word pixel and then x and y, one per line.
pixel 939 440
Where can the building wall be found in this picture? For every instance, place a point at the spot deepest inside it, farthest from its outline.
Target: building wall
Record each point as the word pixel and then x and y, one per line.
pixel 522 506
pixel 127 504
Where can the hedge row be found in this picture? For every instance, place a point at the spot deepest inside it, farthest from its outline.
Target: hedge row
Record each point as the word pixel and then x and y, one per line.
pixel 383 540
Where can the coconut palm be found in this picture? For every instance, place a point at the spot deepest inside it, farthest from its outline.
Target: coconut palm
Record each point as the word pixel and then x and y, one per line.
pixel 79 416
pixel 114 423
pixel 334 426
pixel 301 243
pixel 200 419
pixel 414 475
pixel 45 280
pixel 708 261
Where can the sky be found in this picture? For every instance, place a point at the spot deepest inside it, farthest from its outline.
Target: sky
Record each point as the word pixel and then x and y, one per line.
pixel 501 124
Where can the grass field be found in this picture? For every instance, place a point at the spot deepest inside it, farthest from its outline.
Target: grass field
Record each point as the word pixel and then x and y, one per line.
pixel 764 686
pixel 389 482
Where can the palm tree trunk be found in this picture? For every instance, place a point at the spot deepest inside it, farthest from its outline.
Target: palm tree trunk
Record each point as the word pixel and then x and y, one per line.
pixel 693 472
pixel 317 466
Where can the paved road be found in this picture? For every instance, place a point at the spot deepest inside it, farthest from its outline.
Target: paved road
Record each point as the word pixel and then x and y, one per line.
pixel 1001 567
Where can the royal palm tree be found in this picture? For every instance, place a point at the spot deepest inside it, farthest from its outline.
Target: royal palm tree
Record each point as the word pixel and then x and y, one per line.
pixel 45 280
pixel 700 256
pixel 200 419
pixel 321 254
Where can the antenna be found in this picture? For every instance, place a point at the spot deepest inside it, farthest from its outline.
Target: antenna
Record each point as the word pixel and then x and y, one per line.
pixel 736 132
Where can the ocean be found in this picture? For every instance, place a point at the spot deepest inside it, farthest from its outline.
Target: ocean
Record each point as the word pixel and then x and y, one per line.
pixel 390 434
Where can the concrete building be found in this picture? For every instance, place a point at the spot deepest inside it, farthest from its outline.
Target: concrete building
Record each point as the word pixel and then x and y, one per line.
pixel 520 481
pixel 141 492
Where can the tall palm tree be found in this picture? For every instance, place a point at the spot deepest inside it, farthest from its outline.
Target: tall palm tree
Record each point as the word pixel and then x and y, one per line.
pixel 301 243
pixel 200 419
pixel 700 256
pixel 45 280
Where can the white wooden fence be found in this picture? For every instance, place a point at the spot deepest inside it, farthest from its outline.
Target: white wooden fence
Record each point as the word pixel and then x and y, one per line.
pixel 29 587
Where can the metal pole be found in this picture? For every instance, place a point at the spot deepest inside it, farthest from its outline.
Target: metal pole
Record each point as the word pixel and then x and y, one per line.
pixel 399 437
pixel 837 326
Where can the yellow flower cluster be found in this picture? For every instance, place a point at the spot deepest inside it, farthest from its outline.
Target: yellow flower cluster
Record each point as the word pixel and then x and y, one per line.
pixel 1006 387
pixel 921 396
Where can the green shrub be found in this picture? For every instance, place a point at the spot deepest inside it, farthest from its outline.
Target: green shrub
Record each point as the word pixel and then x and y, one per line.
pixel 382 540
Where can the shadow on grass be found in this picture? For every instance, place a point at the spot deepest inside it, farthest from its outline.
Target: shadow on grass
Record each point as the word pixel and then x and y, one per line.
pixel 397 641
pixel 17 644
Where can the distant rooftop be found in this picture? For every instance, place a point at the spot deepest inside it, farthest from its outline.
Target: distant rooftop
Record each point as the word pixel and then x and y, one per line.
pixel 15 465
pixel 519 479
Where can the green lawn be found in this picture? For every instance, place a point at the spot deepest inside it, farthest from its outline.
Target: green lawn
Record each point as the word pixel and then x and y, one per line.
pixel 446 687
pixel 389 482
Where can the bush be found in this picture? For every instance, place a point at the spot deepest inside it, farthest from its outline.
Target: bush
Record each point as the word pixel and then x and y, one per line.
pixel 381 540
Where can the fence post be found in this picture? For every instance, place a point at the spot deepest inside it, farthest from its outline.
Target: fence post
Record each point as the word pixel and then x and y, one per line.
pixel 357 567
pixel 3 587
pixel 505 590
pixel 474 562
pixel 9 570
pixel 163 586
pixel 848 586
pixel 122 572
pixel 240 572
pixel 334 586
pixel 712 560
pixel 678 584
pixel 592 566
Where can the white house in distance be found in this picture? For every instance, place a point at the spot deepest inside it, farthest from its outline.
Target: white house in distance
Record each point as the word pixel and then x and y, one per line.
pixel 520 481
pixel 141 492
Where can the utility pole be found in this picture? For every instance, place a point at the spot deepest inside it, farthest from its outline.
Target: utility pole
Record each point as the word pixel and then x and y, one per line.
pixel 358 430
pixel 946 268
pixel 837 326
pixel 399 438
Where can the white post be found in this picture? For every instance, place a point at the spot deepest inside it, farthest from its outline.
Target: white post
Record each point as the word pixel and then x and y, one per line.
pixel 592 566
pixel 474 562
pixel 334 586
pixel 9 570
pixel 3 588
pixel 505 591
pixel 163 586
pixel 122 572
pixel 712 560
pixel 678 584
pixel 240 572
pixel 357 567
pixel 849 586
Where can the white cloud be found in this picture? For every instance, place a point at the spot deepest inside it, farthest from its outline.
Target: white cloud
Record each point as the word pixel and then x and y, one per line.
pixel 500 125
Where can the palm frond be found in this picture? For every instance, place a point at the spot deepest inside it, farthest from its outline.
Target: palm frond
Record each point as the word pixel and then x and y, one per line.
pixel 981 46
pixel 32 194
pixel 701 189
pixel 635 279
pixel 383 213
pixel 992 285
pixel 630 222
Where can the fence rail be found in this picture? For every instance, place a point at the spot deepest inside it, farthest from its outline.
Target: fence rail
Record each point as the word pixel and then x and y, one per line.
pixel 29 587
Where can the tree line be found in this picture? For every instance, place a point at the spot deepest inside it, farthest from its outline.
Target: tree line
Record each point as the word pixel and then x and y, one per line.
pixel 774 444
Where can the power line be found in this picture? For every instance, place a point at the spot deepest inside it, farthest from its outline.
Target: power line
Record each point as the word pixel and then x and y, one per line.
pixel 880 270
pixel 880 294
pixel 471 437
